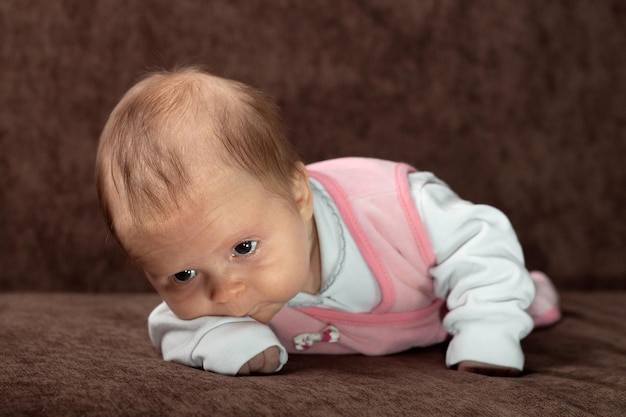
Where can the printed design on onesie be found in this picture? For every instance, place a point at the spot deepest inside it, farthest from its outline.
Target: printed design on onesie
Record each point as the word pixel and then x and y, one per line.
pixel 305 341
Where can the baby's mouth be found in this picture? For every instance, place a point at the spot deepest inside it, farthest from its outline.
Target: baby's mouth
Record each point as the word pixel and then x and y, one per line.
pixel 261 314
pixel 254 311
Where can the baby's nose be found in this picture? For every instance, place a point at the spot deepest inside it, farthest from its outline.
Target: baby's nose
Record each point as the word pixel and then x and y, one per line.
pixel 227 292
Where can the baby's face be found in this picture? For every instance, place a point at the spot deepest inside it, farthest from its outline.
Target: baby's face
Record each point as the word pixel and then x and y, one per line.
pixel 235 250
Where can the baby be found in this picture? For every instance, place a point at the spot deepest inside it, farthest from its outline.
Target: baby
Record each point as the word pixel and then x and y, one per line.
pixel 256 255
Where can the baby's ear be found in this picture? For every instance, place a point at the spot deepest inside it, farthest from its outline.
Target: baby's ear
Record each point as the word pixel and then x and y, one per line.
pixel 301 189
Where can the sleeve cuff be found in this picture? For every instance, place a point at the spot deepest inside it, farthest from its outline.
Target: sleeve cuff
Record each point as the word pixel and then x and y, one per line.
pixel 495 346
pixel 228 347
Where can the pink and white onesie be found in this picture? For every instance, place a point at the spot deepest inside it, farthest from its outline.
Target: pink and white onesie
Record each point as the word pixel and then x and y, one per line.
pixel 405 263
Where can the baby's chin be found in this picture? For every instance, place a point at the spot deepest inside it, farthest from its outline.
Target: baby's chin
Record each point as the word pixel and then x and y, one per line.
pixel 265 313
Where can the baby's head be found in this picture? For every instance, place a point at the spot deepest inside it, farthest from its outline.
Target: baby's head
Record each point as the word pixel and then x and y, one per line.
pixel 202 189
pixel 174 131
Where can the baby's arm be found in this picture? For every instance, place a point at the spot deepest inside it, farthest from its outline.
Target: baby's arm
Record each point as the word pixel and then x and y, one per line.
pixel 226 345
pixel 480 272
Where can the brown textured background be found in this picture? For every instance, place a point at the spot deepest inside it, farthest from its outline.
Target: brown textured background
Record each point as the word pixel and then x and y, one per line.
pixel 518 104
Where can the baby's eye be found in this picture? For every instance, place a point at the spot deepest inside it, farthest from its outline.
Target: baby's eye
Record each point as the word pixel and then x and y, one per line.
pixel 184 276
pixel 245 248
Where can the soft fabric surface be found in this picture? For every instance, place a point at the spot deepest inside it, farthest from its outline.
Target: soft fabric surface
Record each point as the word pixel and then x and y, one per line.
pixel 81 354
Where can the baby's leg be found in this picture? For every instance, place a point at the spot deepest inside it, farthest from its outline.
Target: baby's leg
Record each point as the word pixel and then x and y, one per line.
pixel 545 307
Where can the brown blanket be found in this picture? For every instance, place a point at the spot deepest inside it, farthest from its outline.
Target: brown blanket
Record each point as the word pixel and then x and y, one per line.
pixel 81 354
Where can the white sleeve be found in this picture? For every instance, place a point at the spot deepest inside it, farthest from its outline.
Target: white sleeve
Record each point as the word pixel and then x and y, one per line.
pixel 480 273
pixel 217 344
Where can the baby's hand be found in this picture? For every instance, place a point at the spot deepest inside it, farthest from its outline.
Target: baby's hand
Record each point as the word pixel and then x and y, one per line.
pixel 265 362
pixel 487 369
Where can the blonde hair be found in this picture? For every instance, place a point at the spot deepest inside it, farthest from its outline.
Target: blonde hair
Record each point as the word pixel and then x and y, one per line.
pixel 170 118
